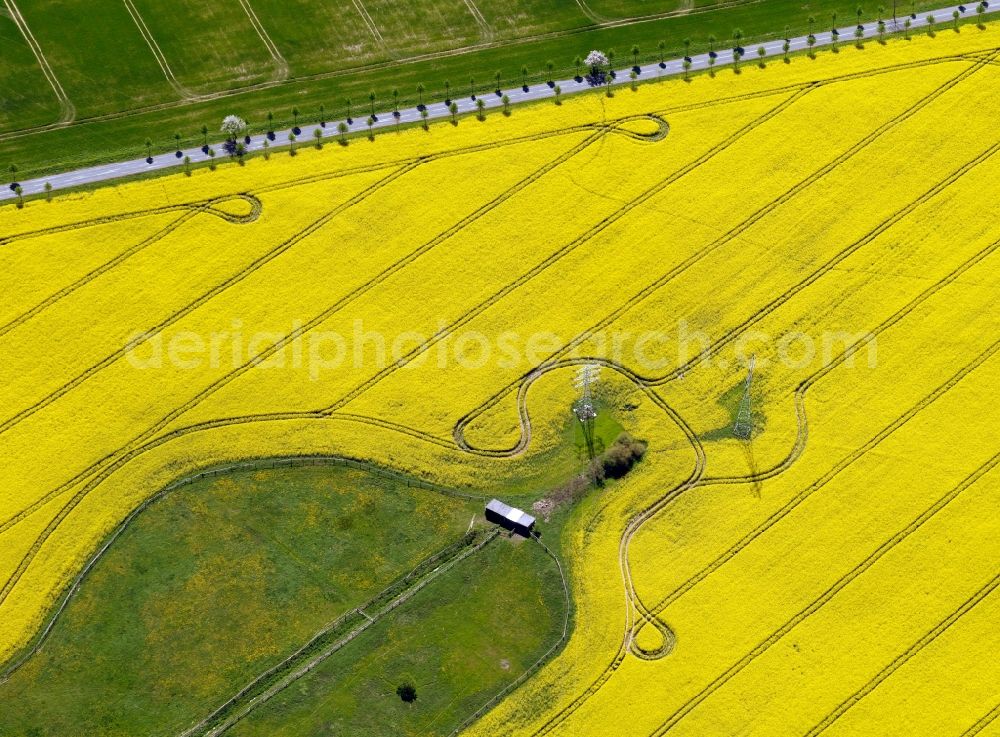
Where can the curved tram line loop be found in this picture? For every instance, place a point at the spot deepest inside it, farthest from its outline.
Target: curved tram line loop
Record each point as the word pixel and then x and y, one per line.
pixel 800 443
pixel 195 304
pixel 206 207
pixel 599 130
pixel 904 657
pixel 818 604
pixel 277 417
pixel 27 653
pixel 983 722
pixel 118 458
pixel 347 299
pixel 727 237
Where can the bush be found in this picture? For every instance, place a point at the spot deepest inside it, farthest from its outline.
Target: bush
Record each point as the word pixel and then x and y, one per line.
pixel 407 693
pixel 619 459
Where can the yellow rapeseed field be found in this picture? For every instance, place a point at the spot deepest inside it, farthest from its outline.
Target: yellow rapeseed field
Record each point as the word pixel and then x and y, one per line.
pixel 423 301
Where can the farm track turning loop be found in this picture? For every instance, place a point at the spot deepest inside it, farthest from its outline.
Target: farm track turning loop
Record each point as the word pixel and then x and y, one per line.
pixel 824 598
pixel 206 208
pixel 120 461
pixel 727 237
pixel 651 614
pixel 209 205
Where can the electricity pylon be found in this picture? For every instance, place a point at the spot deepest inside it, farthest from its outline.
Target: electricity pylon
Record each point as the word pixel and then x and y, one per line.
pixel 583 408
pixel 743 427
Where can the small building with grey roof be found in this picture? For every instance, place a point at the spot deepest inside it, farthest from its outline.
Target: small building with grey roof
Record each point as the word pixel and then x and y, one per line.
pixel 509 517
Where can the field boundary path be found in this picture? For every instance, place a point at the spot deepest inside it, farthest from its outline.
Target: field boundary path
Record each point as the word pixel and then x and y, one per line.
pixel 336 635
pixel 67 111
pixel 440 111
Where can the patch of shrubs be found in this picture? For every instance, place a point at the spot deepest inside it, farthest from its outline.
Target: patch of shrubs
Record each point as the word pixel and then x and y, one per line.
pixel 624 453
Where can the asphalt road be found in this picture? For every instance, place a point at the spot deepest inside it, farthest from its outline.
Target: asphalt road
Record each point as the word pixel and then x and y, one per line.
pixel 438 110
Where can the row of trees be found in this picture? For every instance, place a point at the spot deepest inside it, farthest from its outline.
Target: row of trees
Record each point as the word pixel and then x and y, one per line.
pixel 586 68
pixel 598 68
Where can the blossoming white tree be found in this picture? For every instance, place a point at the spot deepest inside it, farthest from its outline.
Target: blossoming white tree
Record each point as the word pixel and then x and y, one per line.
pixel 597 62
pixel 596 59
pixel 233 126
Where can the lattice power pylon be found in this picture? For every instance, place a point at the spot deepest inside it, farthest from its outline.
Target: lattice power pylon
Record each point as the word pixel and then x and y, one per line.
pixel 743 427
pixel 584 408
pixel 585 379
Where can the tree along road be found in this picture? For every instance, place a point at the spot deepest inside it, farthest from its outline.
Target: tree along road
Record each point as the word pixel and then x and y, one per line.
pixel 439 110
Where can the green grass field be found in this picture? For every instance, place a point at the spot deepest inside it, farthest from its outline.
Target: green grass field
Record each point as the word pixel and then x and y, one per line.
pixel 458 642
pixel 25 96
pixel 215 583
pixel 122 93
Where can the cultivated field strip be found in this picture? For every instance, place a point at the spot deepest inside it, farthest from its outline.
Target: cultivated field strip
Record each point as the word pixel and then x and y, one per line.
pixel 788 195
pixel 377 279
pixel 928 638
pixel 845 463
pixel 876 268
pixel 364 67
pixel 817 605
pixel 733 234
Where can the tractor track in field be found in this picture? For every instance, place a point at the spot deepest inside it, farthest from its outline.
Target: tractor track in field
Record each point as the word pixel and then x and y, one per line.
pixel 208 204
pixel 281 68
pixel 929 637
pixel 693 480
pixel 67 111
pixel 651 614
pixel 187 309
pixel 983 722
pixel 183 92
pixel 727 237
